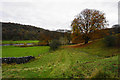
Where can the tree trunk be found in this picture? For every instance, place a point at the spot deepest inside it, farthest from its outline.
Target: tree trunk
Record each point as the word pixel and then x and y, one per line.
pixel 86 41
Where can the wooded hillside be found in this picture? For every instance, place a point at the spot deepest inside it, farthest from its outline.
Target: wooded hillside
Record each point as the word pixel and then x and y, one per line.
pixel 14 31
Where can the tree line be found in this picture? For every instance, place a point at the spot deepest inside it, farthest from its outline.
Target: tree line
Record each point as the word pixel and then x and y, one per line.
pixel 15 31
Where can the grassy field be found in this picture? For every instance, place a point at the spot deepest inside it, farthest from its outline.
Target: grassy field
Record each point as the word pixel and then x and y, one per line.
pixel 99 49
pixel 12 51
pixel 25 41
pixel 82 62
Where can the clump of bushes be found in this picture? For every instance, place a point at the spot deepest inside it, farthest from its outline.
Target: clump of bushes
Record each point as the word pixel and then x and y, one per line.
pixel 54 44
pixel 110 41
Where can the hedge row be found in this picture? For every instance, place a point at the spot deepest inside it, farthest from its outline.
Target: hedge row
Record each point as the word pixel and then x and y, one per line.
pixel 17 60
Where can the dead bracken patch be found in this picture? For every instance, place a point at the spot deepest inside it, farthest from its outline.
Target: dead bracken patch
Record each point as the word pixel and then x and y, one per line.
pixel 78 45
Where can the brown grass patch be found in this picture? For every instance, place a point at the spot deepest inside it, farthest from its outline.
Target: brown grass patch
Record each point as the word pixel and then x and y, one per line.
pixel 78 45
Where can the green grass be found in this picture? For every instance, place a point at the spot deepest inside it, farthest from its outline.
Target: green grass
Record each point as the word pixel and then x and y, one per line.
pixel 24 41
pixel 12 51
pixel 98 48
pixel 67 63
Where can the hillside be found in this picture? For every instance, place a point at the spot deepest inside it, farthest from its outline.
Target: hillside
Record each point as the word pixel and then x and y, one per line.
pixel 89 61
pixel 14 31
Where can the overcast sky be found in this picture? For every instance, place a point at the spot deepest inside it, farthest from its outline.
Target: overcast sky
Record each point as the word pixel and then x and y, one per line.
pixel 54 14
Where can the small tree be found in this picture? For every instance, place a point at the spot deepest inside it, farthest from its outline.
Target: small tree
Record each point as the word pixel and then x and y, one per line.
pixel 88 21
pixel 54 44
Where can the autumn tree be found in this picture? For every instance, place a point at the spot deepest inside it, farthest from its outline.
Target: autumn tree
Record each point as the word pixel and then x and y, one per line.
pixel 88 21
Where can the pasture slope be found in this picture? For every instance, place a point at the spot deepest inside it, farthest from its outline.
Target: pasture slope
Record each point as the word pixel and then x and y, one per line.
pixel 91 61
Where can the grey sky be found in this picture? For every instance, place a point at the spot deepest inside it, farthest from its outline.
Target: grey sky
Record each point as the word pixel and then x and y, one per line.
pixel 54 14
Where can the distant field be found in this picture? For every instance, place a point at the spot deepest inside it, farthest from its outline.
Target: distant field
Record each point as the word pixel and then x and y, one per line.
pixel 25 41
pixel 11 51
pixel 82 62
